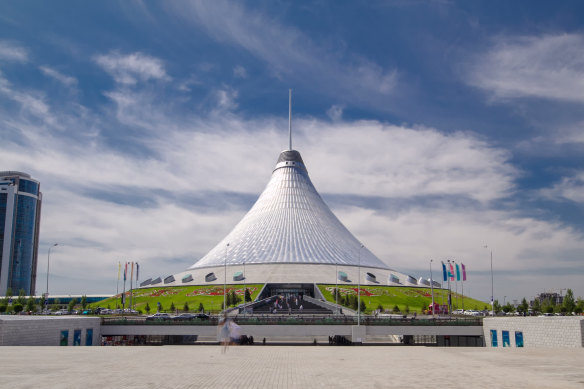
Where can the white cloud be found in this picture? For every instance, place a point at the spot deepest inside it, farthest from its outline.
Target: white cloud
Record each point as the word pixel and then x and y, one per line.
pixel 65 80
pixel 548 66
pixel 335 112
pixel 10 51
pixel 291 54
pixel 570 188
pixel 129 68
pixel 239 71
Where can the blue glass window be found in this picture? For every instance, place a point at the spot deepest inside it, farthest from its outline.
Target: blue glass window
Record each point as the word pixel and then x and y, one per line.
pixel 64 338
pixel 28 187
pixel 494 338
pixel 505 337
pixel 77 338
pixel 518 339
pixel 89 337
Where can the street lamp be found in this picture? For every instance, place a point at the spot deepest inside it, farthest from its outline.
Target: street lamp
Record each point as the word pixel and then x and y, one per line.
pixel 492 284
pixel 225 282
pixel 48 263
pixel 359 290
pixel 432 287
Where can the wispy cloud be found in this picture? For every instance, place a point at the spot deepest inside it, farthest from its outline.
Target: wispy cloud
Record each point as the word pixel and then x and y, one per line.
pixel 570 188
pixel 129 68
pixel 11 51
pixel 65 80
pixel 284 48
pixel 547 66
pixel 239 71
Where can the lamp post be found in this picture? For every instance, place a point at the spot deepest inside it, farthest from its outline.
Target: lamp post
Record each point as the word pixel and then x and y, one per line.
pixel 359 290
pixel 432 287
pixel 492 284
pixel 225 282
pixel 48 263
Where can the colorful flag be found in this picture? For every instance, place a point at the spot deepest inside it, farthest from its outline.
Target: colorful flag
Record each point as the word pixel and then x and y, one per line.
pixel 444 272
pixel 119 269
pixel 451 274
pixel 457 273
pixel 463 272
pixel 138 269
pixel 132 274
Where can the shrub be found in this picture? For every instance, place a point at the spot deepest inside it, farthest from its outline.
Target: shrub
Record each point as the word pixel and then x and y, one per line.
pixel 201 307
pixel 17 307
pixel 147 308
pixel 2 308
pixel 172 307
pixel 396 309
pixel 186 307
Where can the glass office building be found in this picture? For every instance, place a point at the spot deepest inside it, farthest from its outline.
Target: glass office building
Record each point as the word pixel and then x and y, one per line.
pixel 20 210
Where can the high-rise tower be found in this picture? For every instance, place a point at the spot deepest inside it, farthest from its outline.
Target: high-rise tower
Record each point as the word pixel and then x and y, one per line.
pixel 20 213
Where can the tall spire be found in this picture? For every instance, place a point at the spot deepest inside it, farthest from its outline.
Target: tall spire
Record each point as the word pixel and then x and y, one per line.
pixel 290 118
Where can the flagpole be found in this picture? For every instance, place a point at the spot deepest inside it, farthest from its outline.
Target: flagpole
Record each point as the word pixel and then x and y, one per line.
pixel 131 288
pixel 118 283
pixel 462 282
pixel 137 273
pixel 124 292
pixel 456 283
pixel 449 291
pixel 432 287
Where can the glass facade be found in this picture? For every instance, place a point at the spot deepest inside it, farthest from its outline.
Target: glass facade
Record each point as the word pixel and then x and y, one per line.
pixel 20 202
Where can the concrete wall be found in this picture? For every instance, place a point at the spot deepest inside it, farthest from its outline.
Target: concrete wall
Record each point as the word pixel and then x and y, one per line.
pixel 46 330
pixel 552 331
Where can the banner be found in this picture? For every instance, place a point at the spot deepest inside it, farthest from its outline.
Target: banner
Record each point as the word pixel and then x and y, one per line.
pixel 119 269
pixel 463 272
pixel 137 271
pixel 125 271
pixel 457 273
pixel 444 272
pixel 451 274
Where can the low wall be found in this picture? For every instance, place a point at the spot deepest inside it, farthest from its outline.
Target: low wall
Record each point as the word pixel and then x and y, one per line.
pixel 49 331
pixel 552 331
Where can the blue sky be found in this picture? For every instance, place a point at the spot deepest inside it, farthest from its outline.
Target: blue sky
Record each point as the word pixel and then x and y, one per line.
pixel 430 128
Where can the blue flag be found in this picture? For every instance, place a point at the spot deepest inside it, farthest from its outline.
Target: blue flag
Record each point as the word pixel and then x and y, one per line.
pixel 444 272
pixel 457 273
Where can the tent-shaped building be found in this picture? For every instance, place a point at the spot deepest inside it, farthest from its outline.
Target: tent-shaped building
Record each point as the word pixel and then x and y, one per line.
pixel 289 241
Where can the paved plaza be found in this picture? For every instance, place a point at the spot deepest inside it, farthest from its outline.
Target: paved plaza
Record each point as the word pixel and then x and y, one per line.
pixel 289 367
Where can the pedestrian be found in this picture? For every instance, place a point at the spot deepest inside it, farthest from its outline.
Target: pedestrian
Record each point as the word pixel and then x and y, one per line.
pixel 224 334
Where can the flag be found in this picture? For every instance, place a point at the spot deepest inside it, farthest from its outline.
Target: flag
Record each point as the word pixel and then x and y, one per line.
pixel 119 269
pixel 463 272
pixel 132 274
pixel 125 271
pixel 457 273
pixel 138 269
pixel 451 274
pixel 444 272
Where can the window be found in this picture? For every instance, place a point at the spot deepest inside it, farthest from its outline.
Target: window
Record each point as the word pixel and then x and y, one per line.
pixel 64 338
pixel 518 339
pixel 493 338
pixel 505 336
pixel 89 337
pixel 77 338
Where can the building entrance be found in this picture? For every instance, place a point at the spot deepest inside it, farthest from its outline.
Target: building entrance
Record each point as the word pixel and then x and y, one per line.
pixel 300 290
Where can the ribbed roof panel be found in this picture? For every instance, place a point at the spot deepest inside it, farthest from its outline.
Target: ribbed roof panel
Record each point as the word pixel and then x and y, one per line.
pixel 289 223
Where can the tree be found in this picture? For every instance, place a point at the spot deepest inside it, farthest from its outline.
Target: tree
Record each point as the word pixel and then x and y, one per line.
pixel 247 295
pixel 569 303
pixel 363 306
pixel 147 308
pixel 84 302
pixel 186 307
pixel 523 307
pixel 395 309
pixel 536 306
pixel 172 307
pixel 17 307
pixel 8 292
pixel 407 309
pixel 497 306
pixel 201 307
pixel 508 308
pixel 21 294
pixel 579 306
pixel 72 304
pixel 30 305
pixel 380 308
pixel 42 302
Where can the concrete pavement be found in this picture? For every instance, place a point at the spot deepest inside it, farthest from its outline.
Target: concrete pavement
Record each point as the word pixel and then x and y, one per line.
pixel 258 366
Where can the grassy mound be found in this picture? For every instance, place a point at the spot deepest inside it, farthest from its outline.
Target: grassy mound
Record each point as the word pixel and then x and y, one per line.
pixel 406 298
pixel 210 296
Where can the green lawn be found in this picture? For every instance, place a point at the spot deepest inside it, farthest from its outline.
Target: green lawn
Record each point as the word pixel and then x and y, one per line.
pixel 417 299
pixel 210 296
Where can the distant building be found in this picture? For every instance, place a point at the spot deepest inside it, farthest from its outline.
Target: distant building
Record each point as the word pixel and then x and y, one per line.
pixel 555 298
pixel 20 213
